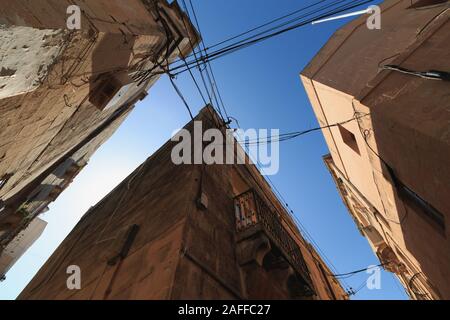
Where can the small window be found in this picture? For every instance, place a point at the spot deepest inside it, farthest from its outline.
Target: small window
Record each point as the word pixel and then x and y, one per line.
pixel 104 92
pixel 106 88
pixel 349 138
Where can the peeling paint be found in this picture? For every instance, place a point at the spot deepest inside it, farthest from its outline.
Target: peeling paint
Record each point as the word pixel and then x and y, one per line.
pixel 26 55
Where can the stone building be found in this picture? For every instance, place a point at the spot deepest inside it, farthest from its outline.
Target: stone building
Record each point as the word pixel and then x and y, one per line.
pixel 188 232
pixel 20 244
pixel 64 91
pixel 382 97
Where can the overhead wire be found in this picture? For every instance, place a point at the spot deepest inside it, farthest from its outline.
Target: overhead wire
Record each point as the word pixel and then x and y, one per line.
pixel 206 58
pixel 197 86
pixel 177 90
pixel 358 271
pixel 353 292
pixel 286 23
pixel 276 20
pixel 429 75
pixel 199 68
pixel 171 77
pixel 208 68
pixel 235 47
pixel 264 24
pixel 301 228
pixel 293 135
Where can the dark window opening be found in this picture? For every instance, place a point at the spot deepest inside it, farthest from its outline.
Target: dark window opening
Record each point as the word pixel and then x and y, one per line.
pixel 106 87
pixel 349 138
pixel 104 92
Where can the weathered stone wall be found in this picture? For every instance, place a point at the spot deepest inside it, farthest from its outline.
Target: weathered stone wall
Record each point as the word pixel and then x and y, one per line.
pixel 399 136
pixel 49 77
pixel 182 250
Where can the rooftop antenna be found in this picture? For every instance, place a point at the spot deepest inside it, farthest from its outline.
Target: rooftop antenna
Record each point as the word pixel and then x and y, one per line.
pixel 342 16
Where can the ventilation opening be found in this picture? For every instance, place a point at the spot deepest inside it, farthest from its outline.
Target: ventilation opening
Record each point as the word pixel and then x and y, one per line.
pixel 349 139
pixel 106 87
pixel 426 3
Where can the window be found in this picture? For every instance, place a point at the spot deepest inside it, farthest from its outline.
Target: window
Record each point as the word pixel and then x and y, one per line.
pixel 104 92
pixel 106 88
pixel 349 138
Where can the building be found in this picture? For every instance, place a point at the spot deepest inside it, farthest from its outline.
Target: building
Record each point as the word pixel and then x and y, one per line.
pixel 20 244
pixel 63 92
pixel 385 115
pixel 188 232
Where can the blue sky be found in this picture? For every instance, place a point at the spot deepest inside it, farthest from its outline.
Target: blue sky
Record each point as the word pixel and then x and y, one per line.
pixel 260 86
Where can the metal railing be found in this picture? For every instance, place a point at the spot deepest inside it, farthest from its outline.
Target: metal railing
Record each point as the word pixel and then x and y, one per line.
pixel 252 210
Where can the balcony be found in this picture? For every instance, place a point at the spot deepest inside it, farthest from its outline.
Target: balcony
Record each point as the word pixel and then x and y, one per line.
pixel 254 215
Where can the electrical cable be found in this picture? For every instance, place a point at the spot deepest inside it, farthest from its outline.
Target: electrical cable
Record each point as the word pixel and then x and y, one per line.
pixel 298 225
pixel 181 97
pixel 264 25
pixel 357 271
pixel 233 48
pixel 292 135
pixel 196 83
pixel 280 25
pixel 365 137
pixel 211 78
pixel 195 55
pixel 208 57
pixel 329 6
pixel 171 76
pixel 429 75
pixel 360 287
